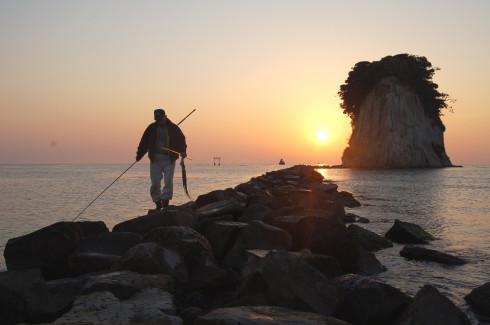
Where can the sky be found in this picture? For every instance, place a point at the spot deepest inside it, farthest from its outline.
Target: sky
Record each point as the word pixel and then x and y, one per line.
pixel 79 80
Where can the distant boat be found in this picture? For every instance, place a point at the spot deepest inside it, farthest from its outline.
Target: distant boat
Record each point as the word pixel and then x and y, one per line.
pixel 281 162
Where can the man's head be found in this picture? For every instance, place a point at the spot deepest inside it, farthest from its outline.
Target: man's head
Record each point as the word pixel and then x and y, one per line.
pixel 159 115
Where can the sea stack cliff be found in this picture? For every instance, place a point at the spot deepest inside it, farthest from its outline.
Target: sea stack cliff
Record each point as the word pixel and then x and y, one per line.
pixel 395 110
pixel 393 131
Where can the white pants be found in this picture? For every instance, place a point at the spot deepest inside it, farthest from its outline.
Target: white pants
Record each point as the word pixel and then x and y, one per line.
pixel 162 167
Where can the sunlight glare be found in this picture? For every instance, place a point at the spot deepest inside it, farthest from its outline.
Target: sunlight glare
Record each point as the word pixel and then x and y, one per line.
pixel 322 135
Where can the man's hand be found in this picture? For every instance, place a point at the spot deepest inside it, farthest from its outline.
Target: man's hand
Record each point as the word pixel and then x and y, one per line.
pixel 183 155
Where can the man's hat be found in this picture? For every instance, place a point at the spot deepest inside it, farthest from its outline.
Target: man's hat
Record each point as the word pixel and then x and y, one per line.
pixel 159 114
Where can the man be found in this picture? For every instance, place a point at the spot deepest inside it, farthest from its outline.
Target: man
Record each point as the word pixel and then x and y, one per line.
pixel 161 140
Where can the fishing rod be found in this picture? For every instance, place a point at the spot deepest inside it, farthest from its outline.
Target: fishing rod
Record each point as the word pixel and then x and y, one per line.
pixel 124 172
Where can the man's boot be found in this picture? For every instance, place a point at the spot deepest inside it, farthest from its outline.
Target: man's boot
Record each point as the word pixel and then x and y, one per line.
pixel 158 205
pixel 165 203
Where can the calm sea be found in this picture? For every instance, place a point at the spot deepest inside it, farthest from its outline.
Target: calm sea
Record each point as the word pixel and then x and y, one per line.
pixel 453 204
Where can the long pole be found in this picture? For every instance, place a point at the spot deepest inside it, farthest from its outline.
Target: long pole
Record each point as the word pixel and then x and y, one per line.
pixel 124 172
pixel 104 190
pixel 186 116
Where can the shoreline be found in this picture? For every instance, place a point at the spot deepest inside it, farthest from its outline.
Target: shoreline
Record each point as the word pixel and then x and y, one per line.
pixel 267 210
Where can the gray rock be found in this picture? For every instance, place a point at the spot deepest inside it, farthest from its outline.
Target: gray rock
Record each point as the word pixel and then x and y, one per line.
pixel 96 308
pixel 328 265
pixel 408 233
pixel 348 200
pixel 48 248
pixel 30 298
pixel 370 302
pixel 191 245
pixel 367 263
pixel 425 254
pixel 252 259
pixel 369 240
pixel 327 236
pixel 256 235
pixel 211 278
pixel 479 299
pixel 12 306
pixel 152 306
pixel 255 211
pixel 45 303
pixel 125 284
pixel 264 315
pixel 327 187
pixel 287 280
pixel 220 195
pixel 148 258
pixel 216 209
pixel 167 217
pixel 82 263
pixel 221 235
pixel 429 306
pixel 350 217
pixel 111 243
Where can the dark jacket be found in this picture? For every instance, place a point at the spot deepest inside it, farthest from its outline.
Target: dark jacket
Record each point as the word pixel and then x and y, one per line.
pixel 176 141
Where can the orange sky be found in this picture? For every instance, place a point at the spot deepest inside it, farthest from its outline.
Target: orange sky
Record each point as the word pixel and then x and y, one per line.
pixel 79 80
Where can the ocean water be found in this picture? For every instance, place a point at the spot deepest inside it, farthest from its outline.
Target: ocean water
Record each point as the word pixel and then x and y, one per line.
pixel 453 204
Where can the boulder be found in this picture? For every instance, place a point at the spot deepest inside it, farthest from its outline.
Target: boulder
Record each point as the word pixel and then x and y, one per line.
pixel 479 299
pixel 348 200
pixel 221 236
pixel 425 254
pixel 48 248
pixel 250 188
pixel 328 265
pixel 327 187
pixel 202 225
pixel 408 233
pixel 45 303
pixel 256 235
pixel 317 200
pixel 12 305
pixel 148 258
pixel 29 298
pixel 366 301
pixel 152 306
pixel 191 245
pixel 211 278
pixel 220 195
pixel 111 243
pixel 327 236
pixel 264 315
pixel 429 306
pixel 366 263
pixel 125 284
pixel 369 240
pixel 167 217
pixel 101 251
pixel 219 208
pixel 350 217
pixel 255 211
pixel 82 263
pixel 286 279
pixel 96 308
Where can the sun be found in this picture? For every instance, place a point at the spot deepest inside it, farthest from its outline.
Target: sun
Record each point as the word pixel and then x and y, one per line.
pixel 322 135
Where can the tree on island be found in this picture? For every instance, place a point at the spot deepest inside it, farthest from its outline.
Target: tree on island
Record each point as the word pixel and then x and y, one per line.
pixel 411 70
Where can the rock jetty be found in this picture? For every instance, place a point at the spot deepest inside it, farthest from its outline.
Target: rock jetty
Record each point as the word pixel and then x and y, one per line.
pixel 273 250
